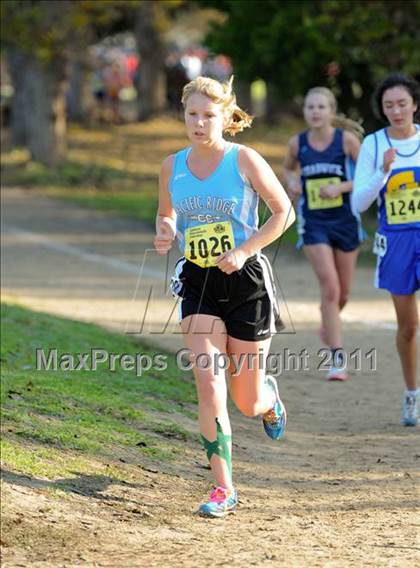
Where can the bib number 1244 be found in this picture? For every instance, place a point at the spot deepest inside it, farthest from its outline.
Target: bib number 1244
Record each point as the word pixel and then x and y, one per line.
pixel 403 206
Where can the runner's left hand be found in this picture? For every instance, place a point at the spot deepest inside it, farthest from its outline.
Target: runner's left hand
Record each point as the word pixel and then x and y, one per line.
pixel 231 261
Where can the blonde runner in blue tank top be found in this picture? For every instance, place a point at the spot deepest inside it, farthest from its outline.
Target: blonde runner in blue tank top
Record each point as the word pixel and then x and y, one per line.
pixel 215 214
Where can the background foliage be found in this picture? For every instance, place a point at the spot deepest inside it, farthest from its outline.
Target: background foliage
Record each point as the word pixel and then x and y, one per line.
pixel 345 44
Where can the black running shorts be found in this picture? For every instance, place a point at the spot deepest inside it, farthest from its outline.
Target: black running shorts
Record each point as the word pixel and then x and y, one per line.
pixel 244 300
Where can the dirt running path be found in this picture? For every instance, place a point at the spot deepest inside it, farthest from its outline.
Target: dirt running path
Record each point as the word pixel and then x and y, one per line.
pixel 342 488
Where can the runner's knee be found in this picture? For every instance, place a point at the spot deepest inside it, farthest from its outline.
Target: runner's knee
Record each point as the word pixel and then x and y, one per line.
pixel 344 297
pixel 209 390
pixel 408 330
pixel 248 408
pixel 330 292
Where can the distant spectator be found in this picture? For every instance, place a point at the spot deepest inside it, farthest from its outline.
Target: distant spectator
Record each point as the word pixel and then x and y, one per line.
pixel 131 65
pixel 113 83
pixel 98 85
pixel 192 63
pixel 176 78
pixel 218 68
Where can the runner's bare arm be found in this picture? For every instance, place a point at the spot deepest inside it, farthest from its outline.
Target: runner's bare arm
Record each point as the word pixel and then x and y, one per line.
pixel 351 146
pixel 264 181
pixel 291 162
pixel 166 216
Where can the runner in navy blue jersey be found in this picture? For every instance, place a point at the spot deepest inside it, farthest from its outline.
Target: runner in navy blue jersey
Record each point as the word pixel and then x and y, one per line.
pixel 329 230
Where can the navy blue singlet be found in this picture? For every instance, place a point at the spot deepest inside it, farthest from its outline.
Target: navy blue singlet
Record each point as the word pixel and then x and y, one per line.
pixel 329 164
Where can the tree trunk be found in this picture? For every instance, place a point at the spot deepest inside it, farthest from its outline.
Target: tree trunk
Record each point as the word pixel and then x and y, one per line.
pixel 45 116
pixel 16 67
pixel 151 82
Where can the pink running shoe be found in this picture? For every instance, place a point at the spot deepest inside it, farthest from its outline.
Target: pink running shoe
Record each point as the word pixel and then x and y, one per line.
pixel 221 503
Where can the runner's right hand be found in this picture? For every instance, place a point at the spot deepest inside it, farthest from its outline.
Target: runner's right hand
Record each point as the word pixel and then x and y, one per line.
pixel 389 157
pixel 164 238
pixel 294 189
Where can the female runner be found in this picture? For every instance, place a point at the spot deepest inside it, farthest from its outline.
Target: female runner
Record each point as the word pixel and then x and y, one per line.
pixel 389 170
pixel 330 232
pixel 208 199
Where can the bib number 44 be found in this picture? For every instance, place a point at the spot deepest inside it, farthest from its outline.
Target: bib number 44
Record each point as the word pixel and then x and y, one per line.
pixel 380 245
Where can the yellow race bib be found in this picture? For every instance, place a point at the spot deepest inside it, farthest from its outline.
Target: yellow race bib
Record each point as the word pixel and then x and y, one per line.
pixel 315 201
pixel 205 243
pixel 403 206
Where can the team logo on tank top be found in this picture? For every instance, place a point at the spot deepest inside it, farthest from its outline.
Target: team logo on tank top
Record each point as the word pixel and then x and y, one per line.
pixel 402 199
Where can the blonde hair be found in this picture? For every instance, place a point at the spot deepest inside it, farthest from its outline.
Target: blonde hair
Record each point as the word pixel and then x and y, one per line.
pixel 339 120
pixel 220 93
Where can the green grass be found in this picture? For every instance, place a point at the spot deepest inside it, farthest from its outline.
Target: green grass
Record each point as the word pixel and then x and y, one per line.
pixel 90 413
pixel 136 205
pixel 69 174
pixel 38 461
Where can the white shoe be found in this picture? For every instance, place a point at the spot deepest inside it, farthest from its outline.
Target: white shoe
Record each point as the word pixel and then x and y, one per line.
pixel 336 374
pixel 409 415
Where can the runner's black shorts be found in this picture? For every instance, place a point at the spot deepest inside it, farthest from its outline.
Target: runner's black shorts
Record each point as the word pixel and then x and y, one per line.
pixel 245 300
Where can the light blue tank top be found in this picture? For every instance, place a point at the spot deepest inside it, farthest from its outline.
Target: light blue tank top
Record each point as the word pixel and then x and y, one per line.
pixel 222 197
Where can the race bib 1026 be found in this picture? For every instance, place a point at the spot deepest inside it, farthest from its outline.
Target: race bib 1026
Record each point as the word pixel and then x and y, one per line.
pixel 205 243
pixel 313 189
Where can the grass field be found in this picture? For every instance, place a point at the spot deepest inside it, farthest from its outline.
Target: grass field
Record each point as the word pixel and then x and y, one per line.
pixel 47 414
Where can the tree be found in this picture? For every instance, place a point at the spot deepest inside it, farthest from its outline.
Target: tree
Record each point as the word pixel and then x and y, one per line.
pixel 346 44
pixel 153 19
pixel 40 38
pixel 29 31
pixel 43 39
